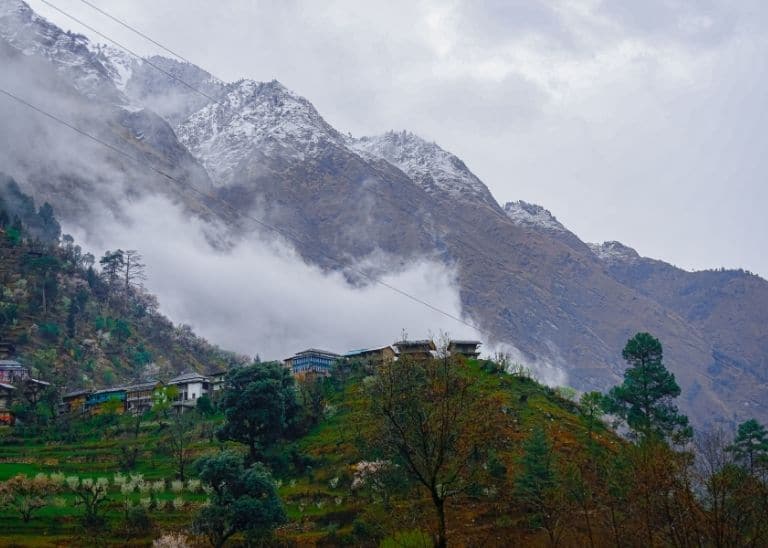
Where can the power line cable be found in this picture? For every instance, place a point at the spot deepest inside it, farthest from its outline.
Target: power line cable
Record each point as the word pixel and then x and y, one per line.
pixel 137 31
pixel 190 86
pixel 127 49
pixel 229 206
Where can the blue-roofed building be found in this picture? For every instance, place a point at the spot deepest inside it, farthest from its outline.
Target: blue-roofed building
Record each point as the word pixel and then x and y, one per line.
pixel 95 401
pixel 312 362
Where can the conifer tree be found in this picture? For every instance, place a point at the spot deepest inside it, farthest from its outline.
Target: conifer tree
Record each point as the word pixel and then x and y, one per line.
pixel 538 486
pixel 750 446
pixel 645 398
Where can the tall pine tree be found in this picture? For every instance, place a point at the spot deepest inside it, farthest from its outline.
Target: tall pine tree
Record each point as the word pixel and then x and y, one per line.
pixel 645 400
pixel 751 445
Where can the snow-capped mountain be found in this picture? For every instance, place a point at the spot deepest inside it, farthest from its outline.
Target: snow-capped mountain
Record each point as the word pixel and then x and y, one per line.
pixel 532 215
pixel 22 29
pixel 614 251
pixel 65 74
pixel 524 277
pixel 119 64
pixel 436 170
pixel 263 116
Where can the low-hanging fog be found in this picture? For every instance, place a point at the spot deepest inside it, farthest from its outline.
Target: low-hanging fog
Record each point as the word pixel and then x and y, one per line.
pixel 261 297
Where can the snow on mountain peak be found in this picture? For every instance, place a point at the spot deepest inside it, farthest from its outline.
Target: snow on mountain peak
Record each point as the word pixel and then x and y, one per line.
pixel 614 251
pixel 532 215
pixel 70 53
pixel 431 167
pixel 263 116
pixel 119 64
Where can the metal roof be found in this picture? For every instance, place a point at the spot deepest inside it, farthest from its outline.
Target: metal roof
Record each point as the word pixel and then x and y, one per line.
pixel 359 351
pixel 75 393
pixel 141 386
pixel 187 377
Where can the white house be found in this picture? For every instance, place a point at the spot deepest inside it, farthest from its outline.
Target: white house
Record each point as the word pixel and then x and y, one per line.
pixel 191 386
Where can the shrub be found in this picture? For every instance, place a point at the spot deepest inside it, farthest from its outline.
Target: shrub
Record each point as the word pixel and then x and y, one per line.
pixel 49 331
pixel 137 521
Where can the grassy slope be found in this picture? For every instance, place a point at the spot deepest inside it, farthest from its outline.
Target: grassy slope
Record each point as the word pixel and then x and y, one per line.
pixel 321 510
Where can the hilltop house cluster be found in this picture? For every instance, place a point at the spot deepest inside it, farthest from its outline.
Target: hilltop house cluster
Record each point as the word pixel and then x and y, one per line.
pixel 16 382
pixel 138 398
pixel 318 362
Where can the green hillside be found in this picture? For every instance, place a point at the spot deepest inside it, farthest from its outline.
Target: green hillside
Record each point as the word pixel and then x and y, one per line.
pixel 316 470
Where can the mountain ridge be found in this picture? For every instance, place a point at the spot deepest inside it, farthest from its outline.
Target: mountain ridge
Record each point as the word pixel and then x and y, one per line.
pixel 524 278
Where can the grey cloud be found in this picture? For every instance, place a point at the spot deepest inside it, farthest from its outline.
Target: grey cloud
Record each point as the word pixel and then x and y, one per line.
pixel 260 297
pixel 626 108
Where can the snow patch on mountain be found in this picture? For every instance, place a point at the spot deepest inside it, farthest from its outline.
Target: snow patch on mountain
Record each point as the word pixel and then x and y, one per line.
pixel 70 53
pixel 434 169
pixel 120 65
pixel 263 117
pixel 532 215
pixel 613 251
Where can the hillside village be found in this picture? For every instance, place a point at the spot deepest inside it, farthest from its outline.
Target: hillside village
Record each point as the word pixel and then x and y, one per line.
pixel 16 383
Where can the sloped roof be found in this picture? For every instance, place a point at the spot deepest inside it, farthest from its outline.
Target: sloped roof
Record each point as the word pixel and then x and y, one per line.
pixel 75 393
pixel 189 376
pixel 360 351
pixel 141 386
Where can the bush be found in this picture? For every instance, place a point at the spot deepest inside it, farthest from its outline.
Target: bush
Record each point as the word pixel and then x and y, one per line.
pixel 137 521
pixel 49 331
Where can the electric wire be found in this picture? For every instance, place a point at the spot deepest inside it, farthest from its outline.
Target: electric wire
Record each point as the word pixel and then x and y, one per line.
pixel 260 222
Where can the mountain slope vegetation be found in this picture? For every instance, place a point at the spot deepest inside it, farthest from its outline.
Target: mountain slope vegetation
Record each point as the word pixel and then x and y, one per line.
pixel 78 326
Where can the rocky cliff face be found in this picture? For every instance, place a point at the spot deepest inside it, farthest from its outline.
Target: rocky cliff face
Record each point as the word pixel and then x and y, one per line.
pixel 525 279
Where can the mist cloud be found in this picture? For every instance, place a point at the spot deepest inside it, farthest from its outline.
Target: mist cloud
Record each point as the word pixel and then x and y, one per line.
pixel 261 297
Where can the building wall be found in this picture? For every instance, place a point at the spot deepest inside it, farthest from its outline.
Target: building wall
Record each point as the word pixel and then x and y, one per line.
pixel 76 405
pixel 191 391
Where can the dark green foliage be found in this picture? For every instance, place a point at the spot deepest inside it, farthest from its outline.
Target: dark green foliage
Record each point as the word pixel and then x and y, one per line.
pixel 539 487
pixel 645 398
pixel 260 406
pixel 41 224
pixel 44 271
pixel 205 406
pixel 8 313
pixel 750 447
pixel 243 500
pixel 49 331
pixel 537 477
pixel 111 264
pixel 71 319
pixel 141 356
pixel 137 521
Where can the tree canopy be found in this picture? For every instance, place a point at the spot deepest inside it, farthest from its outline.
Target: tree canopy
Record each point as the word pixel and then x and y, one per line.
pixel 645 398
pixel 260 406
pixel 243 499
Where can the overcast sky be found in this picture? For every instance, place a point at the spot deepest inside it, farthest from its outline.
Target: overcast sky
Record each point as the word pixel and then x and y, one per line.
pixel 639 121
